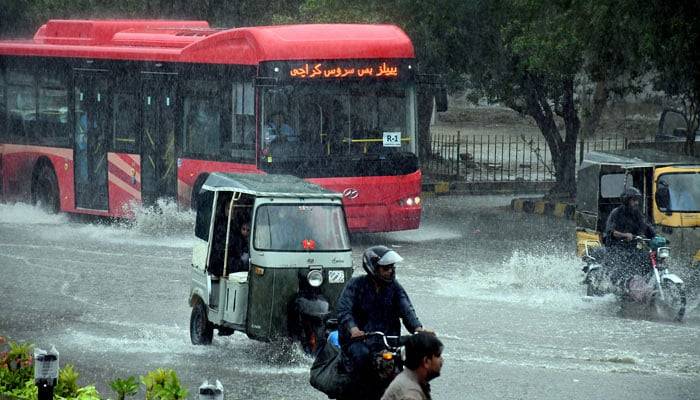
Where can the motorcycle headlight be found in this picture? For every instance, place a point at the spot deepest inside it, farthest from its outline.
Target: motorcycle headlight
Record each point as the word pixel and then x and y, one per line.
pixel 315 278
pixel 663 252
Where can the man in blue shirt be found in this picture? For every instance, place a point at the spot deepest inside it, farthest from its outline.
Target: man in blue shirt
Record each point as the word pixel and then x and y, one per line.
pixel 373 302
pixel 279 131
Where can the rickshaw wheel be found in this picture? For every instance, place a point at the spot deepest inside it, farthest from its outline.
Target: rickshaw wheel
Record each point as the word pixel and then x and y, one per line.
pixel 201 330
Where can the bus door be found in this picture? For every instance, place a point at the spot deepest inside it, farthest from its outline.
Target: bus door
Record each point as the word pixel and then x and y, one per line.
pixel 158 162
pixel 91 139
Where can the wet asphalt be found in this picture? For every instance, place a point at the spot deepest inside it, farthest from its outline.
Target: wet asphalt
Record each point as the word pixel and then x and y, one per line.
pixel 501 289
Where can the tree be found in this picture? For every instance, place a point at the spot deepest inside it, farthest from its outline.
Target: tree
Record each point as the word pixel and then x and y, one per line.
pixel 532 55
pixel 672 40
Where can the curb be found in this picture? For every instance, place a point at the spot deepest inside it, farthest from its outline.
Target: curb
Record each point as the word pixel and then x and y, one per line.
pixel 439 187
pixel 537 206
pixel 445 187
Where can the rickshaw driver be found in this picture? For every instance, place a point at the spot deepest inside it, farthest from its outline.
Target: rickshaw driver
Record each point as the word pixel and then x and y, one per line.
pixel 373 302
pixel 625 223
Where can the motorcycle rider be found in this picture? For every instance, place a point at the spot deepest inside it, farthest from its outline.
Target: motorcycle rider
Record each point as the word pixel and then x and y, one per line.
pixel 623 225
pixel 373 302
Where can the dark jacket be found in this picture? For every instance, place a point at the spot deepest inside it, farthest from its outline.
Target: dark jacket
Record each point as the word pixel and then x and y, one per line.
pixel 624 219
pixel 238 247
pixel 361 305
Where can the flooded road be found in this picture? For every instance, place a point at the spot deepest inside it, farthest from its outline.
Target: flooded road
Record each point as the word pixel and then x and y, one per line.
pixel 501 289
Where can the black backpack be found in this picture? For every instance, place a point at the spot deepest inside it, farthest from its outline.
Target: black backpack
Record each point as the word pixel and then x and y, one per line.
pixel 328 373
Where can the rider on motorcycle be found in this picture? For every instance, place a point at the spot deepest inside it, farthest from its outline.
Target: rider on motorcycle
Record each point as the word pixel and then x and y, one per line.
pixel 624 224
pixel 372 302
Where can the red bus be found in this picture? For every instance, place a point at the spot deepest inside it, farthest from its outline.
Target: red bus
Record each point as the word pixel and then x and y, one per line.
pixel 99 116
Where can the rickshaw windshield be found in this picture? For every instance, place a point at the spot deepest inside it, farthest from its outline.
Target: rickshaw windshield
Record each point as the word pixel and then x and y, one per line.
pixel 297 227
pixel 684 191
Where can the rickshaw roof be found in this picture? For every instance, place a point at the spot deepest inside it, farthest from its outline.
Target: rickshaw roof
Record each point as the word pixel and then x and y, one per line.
pixel 638 158
pixel 261 185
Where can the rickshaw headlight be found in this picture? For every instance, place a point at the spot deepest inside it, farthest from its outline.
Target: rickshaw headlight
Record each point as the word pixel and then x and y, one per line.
pixel 663 252
pixel 315 278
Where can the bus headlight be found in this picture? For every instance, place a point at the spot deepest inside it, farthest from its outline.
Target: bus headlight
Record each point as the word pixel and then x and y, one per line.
pixel 410 201
pixel 315 278
pixel 663 252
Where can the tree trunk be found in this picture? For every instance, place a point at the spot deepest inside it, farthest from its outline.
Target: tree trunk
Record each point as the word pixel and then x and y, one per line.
pixel 598 103
pixel 690 129
pixel 563 152
pixel 566 170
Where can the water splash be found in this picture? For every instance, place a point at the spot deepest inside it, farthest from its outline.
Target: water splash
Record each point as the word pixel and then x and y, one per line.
pixel 534 278
pixel 20 213
pixel 165 218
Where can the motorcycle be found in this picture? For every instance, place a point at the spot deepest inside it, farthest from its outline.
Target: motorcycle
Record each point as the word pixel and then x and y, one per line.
pixel 328 373
pixel 658 289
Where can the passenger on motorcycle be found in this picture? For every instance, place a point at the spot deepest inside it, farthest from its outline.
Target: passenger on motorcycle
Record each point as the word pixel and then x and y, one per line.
pixel 623 225
pixel 372 302
pixel 423 364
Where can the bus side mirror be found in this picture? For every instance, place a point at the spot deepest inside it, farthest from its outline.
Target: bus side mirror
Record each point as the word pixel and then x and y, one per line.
pixel 663 197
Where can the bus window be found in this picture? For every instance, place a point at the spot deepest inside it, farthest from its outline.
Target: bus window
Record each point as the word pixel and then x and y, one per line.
pixel 21 104
pixel 125 122
pixel 243 139
pixel 202 128
pixel 52 121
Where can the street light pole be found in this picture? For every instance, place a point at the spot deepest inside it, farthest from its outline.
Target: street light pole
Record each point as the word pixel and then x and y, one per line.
pixel 45 372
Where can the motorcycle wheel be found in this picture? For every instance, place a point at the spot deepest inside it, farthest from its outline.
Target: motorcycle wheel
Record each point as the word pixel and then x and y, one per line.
pixel 594 280
pixel 674 302
pixel 201 330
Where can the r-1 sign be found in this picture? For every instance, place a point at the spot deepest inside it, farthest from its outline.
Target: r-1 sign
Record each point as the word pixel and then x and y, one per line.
pixel 392 139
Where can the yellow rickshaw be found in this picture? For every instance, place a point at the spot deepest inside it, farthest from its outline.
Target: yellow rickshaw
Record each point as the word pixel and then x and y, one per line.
pixel 670 185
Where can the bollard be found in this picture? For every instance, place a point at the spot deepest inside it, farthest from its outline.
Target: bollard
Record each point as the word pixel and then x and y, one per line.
pixel 209 391
pixel 45 372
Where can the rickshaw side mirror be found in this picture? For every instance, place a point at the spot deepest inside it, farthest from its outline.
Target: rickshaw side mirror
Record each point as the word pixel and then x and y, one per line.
pixel 663 197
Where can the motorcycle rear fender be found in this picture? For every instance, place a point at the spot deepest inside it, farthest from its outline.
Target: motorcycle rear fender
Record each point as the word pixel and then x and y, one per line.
pixel 316 307
pixel 673 278
pixel 590 267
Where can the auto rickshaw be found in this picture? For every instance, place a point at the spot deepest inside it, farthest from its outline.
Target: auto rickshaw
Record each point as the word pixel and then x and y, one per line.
pixel 298 261
pixel 670 186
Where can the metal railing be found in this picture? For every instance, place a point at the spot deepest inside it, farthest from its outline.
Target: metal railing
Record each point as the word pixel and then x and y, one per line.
pixel 493 158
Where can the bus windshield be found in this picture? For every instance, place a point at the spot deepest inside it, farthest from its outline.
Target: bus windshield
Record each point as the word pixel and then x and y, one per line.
pixel 295 227
pixel 684 191
pixel 339 129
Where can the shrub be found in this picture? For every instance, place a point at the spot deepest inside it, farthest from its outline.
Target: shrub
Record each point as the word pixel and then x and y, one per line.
pixel 163 384
pixel 67 385
pixel 125 387
pixel 16 366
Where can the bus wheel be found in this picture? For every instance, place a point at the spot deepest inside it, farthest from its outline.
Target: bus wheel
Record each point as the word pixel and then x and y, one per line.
pixel 45 190
pixel 201 330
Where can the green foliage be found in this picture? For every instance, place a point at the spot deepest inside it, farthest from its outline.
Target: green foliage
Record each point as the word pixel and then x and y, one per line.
pixel 16 366
pixel 17 379
pixel 163 384
pixel 67 385
pixel 28 391
pixel 87 393
pixel 125 387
